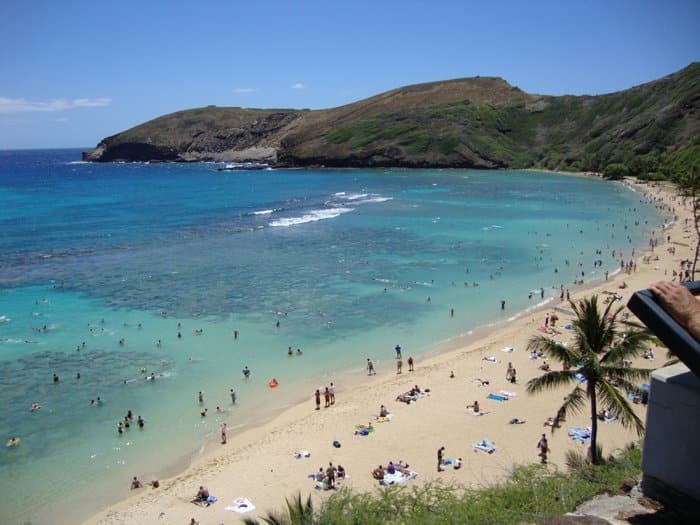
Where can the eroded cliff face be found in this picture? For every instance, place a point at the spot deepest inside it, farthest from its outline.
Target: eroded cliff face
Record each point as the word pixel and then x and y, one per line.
pixel 206 134
pixel 467 123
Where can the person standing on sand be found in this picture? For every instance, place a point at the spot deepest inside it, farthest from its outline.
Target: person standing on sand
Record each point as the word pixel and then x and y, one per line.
pixel 330 475
pixel 440 453
pixel 332 392
pixel 398 351
pixel 318 399
pixel 232 393
pixel 543 445
pixel 224 432
pixel 370 367
pixel 327 398
pixel 410 363
pixel 399 365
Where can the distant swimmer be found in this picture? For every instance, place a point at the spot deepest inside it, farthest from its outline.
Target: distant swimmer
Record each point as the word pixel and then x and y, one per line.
pixel 299 352
pixel 246 372
pixel 140 422
pixel 200 397
pixel 55 378
pixel 289 352
pixel 34 406
pixel 232 393
pixel 12 442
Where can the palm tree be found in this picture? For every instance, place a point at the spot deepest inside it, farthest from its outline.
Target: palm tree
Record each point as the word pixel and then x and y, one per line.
pixel 597 353
pixel 298 513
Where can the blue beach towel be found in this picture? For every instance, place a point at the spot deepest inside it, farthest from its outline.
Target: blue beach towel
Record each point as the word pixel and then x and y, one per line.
pixel 580 434
pixel 486 445
pixel 496 397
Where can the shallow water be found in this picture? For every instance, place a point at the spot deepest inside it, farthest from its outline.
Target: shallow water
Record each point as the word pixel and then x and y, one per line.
pixel 349 262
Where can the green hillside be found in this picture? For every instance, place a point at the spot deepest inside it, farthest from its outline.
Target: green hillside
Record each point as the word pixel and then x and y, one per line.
pixel 476 122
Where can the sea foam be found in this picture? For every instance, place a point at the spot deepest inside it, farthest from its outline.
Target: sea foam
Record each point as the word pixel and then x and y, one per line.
pixel 312 216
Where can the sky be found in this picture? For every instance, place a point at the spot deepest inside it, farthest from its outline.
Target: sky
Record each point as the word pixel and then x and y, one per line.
pixel 72 72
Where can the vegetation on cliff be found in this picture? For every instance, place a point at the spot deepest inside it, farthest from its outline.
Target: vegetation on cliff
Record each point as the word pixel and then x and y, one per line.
pixel 652 130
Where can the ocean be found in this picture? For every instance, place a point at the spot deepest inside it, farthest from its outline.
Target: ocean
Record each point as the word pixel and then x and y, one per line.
pixel 119 271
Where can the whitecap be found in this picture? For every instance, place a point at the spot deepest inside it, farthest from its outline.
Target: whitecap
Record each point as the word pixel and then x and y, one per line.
pixel 371 200
pixel 353 196
pixel 264 212
pixel 312 216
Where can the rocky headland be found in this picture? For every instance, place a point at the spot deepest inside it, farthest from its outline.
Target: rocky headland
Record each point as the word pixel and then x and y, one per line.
pixel 478 122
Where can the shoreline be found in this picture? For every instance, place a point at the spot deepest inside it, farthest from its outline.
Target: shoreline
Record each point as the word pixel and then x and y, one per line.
pixel 254 450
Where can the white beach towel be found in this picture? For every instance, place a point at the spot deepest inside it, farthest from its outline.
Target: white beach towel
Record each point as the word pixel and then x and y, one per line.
pixel 241 506
pixel 508 394
pixel 508 349
pixel 302 454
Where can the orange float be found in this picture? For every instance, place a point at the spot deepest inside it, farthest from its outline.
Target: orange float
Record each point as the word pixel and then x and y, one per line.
pixel 272 383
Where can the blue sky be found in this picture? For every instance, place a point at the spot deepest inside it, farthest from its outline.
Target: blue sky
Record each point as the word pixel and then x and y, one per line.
pixel 73 72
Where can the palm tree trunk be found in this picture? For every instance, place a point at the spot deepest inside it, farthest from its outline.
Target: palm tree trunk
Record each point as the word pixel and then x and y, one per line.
pixel 593 453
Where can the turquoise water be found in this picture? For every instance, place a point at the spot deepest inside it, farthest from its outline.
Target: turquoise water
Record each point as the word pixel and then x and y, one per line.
pixel 348 262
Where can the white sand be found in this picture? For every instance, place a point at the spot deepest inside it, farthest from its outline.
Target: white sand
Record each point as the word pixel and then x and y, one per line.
pixel 258 464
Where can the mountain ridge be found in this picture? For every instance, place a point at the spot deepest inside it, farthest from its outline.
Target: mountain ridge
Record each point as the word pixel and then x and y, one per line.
pixel 477 122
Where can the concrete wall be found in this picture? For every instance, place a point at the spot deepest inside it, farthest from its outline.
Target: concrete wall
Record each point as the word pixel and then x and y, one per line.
pixel 671 457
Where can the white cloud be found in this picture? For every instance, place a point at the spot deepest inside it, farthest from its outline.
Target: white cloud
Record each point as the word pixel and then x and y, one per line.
pixel 244 90
pixel 298 85
pixel 19 105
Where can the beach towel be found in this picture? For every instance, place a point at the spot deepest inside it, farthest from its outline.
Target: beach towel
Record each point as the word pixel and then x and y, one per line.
pixel 486 445
pixel 362 430
pixel 397 478
pixel 507 394
pixel 508 349
pixel 241 506
pixel 490 358
pixel 580 434
pixel 579 377
pixel 496 397
pixel 385 419
pixel 302 454
pixel 473 412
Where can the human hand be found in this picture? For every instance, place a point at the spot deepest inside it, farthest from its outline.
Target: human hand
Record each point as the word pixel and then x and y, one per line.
pixel 681 304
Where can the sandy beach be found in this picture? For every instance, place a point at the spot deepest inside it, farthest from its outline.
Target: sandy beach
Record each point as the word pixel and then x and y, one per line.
pixel 259 463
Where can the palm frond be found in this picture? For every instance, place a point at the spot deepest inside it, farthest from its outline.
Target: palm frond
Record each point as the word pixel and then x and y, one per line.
pixel 300 513
pixel 621 373
pixel 550 380
pixel 619 406
pixel 573 403
pixel 552 349
pixel 631 345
